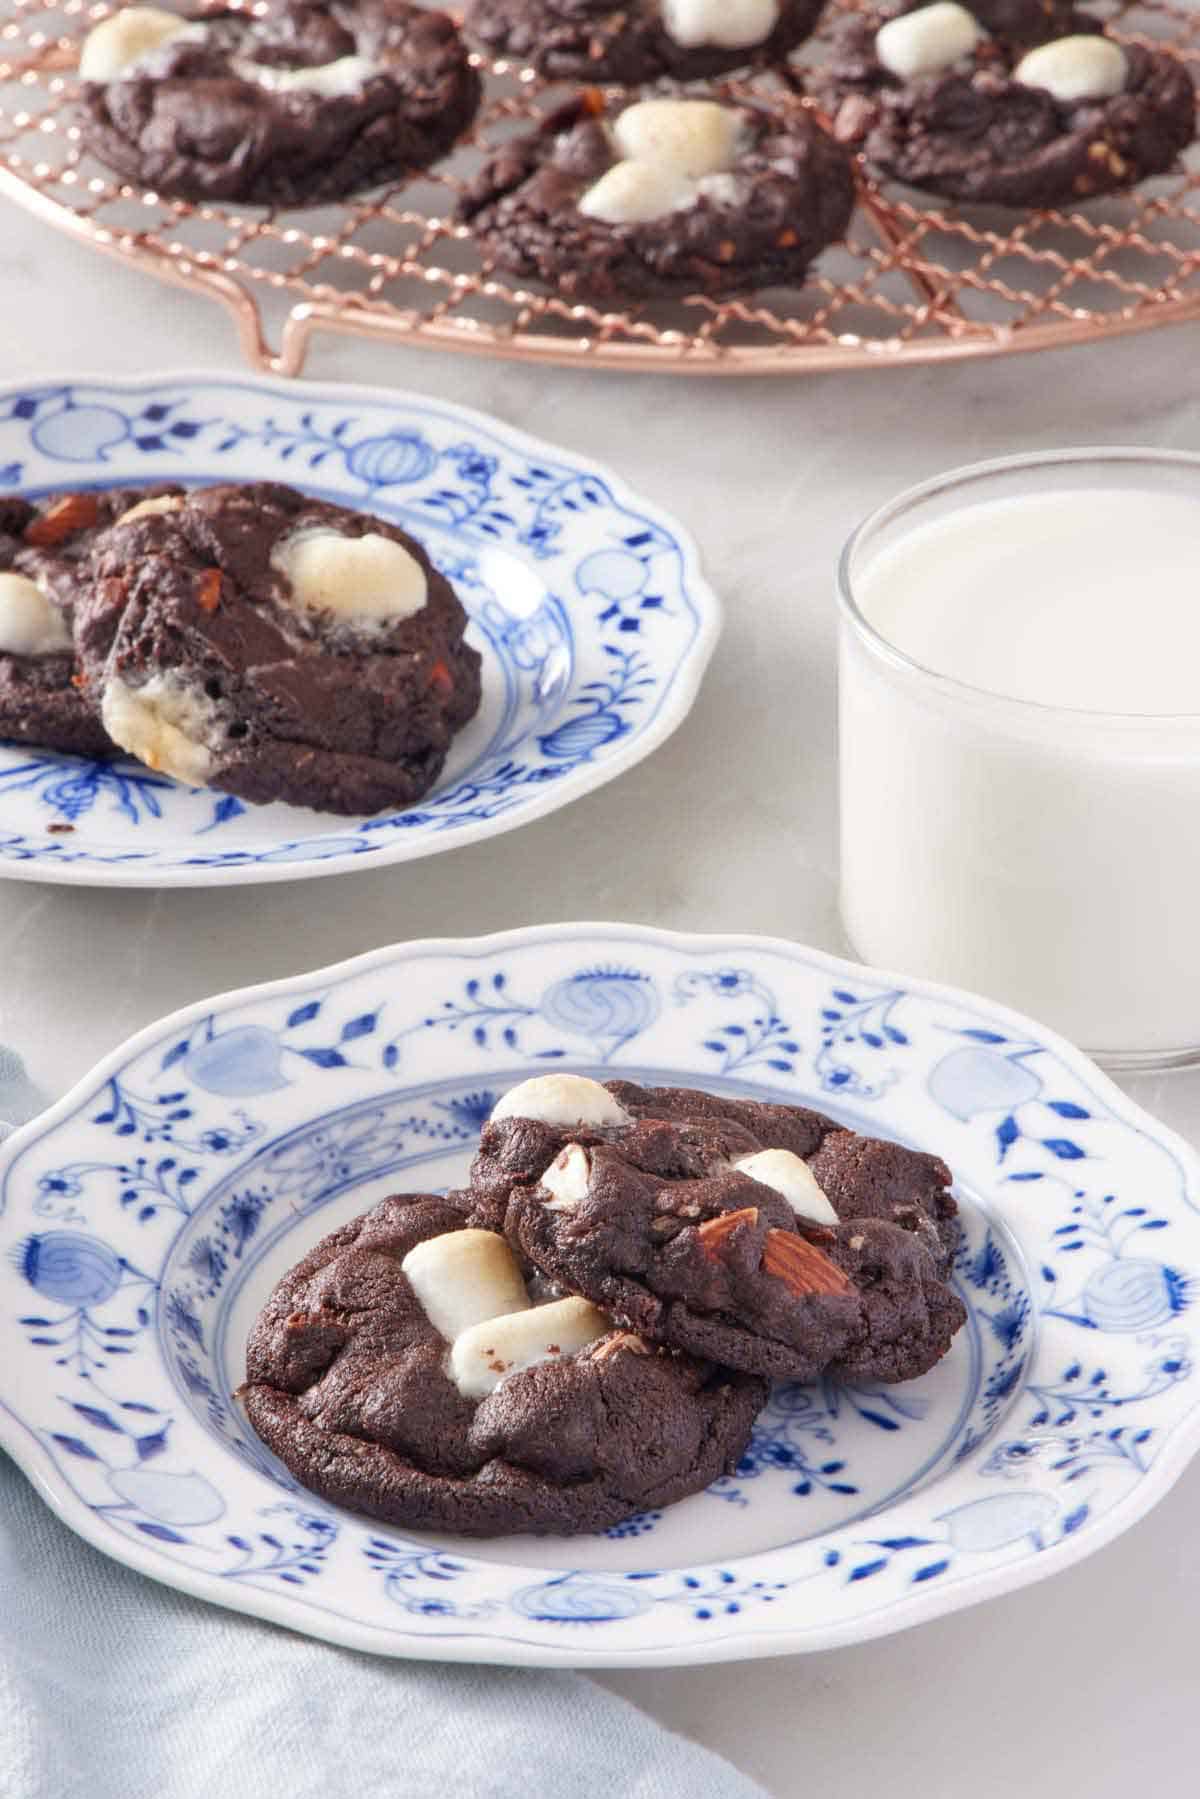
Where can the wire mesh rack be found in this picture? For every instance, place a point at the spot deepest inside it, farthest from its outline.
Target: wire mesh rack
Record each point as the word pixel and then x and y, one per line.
pixel 913 282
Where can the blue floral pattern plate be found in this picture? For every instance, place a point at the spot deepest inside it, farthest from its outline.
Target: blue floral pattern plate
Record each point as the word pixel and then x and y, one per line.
pixel 144 1219
pixel 587 604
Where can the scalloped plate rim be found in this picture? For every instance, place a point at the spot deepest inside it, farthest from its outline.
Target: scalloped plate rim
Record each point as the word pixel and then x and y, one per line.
pixel 1180 1446
pixel 674 711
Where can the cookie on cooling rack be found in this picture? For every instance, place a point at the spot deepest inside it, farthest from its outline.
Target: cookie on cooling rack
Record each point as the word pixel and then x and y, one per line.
pixel 277 647
pixel 1012 102
pixel 291 105
pixel 405 1370
pixel 663 196
pixel 690 40
pixel 43 548
pixel 763 1237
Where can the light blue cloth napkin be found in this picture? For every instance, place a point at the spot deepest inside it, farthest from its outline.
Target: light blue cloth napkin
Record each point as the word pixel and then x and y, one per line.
pixel 113 1687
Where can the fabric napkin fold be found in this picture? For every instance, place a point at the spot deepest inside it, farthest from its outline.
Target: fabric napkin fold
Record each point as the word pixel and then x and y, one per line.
pixel 114 1687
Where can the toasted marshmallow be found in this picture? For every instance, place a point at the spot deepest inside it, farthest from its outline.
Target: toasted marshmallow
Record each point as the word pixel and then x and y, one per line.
pixel 685 137
pixel 567 1178
pixel 791 1176
pixel 368 580
pixel 113 47
pixel 561 1099
pixel 487 1353
pixel 165 502
pixel 464 1278
pixel 719 24
pixel 1074 69
pixel 928 40
pixel 348 75
pixel 630 193
pixel 30 623
pixel 164 723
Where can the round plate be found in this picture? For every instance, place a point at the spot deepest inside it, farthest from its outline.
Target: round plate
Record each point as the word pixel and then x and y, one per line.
pixel 588 606
pixel 145 1218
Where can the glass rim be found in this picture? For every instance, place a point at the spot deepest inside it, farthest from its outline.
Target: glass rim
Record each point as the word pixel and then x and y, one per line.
pixel 962 476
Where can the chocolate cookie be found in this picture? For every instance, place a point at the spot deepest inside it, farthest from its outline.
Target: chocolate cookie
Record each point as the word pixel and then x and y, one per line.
pixel 43 546
pixel 664 196
pixel 764 1237
pixel 402 1370
pixel 1015 102
pixel 278 647
pixel 291 105
pixel 593 40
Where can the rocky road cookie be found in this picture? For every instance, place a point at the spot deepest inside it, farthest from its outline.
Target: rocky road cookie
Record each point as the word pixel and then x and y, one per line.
pixel 277 647
pixel 42 546
pixel 664 196
pixel 593 40
pixel 290 105
pixel 404 1370
pixel 1015 102
pixel 765 1237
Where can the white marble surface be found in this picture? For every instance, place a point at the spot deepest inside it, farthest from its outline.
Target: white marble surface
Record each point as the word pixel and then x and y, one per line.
pixel 1079 1685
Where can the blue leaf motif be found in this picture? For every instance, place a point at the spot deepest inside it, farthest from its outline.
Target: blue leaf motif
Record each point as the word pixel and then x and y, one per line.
pixel 359 1027
pixel 324 1058
pixel 74 1446
pixel 1007 1133
pixel 303 1014
pixel 865 1570
pixel 1064 1149
pixel 151 1445
pixel 95 1416
pixel 161 1532
pixel 1067 1108
pixel 931 1571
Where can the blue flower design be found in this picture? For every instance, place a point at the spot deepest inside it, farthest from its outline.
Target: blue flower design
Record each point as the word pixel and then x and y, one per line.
pixel 71 1268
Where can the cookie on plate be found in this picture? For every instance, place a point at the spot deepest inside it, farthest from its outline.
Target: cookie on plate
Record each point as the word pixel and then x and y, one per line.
pixel 670 195
pixel 292 104
pixel 277 647
pixel 593 40
pixel 1011 102
pixel 765 1237
pixel 404 1370
pixel 43 544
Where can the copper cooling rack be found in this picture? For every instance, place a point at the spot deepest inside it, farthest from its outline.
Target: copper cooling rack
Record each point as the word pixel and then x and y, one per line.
pixel 914 283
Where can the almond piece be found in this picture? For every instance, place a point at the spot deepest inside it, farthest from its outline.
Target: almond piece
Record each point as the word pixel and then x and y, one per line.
pixel 801 1266
pixel 74 512
pixel 208 593
pixel 715 1233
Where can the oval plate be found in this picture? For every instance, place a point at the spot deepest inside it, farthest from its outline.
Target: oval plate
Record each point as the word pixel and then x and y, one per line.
pixel 587 604
pixel 144 1219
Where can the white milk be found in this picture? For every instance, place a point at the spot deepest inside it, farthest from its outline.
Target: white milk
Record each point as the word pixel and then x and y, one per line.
pixel 1048 858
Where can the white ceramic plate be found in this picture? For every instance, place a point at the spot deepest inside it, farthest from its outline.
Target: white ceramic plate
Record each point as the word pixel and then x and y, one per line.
pixel 587 604
pixel 145 1218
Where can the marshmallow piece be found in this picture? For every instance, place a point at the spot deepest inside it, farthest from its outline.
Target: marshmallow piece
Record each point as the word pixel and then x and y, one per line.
pixel 1072 69
pixel 923 42
pixel 681 137
pixel 562 1099
pixel 487 1353
pixel 151 508
pixel 30 623
pixel 567 1178
pixel 722 24
pixel 164 723
pixel 348 75
pixel 120 42
pixel 791 1176
pixel 630 193
pixel 365 580
pixel 464 1278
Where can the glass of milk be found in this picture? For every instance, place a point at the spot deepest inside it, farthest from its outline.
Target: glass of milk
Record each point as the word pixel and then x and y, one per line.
pixel 1020 742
